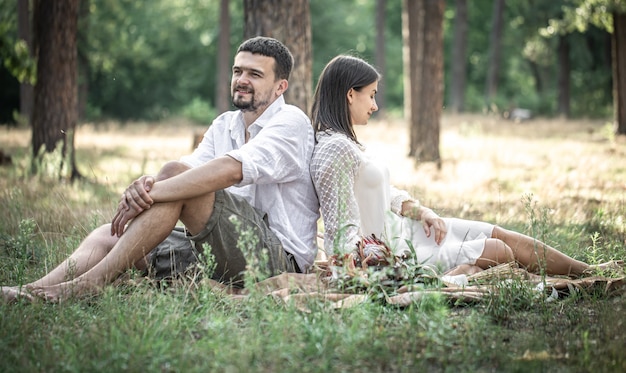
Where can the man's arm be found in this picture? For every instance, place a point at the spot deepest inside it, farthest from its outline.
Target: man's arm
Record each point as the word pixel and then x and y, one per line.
pixel 219 173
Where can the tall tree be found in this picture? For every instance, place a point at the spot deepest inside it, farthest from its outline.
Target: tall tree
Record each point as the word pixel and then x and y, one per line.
pixel 83 59
pixel 380 54
pixel 25 33
pixel 222 86
pixel 55 112
pixel 495 47
pixel 458 61
pixel 609 15
pixel 619 71
pixel 423 60
pixel 288 21
pixel 564 72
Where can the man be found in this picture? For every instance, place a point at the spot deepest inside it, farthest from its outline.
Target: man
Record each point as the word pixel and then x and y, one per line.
pixel 249 175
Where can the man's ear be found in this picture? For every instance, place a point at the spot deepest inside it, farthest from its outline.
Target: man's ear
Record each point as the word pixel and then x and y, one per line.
pixel 282 87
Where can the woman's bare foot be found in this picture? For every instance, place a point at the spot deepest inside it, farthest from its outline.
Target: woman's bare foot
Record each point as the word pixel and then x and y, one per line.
pixel 12 294
pixel 610 268
pixel 463 269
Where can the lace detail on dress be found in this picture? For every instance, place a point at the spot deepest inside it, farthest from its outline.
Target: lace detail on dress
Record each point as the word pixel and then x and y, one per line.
pixel 335 162
pixel 398 196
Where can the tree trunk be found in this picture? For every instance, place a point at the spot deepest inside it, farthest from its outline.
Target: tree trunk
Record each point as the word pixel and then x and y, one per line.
pixel 564 76
pixel 25 33
pixel 619 72
pixel 535 70
pixel 459 58
pixel 380 55
pixel 222 88
pixel 83 59
pixel 423 61
pixel 495 47
pixel 288 21
pixel 55 112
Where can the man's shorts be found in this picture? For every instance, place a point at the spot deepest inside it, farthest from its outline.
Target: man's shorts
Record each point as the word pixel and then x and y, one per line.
pixel 235 235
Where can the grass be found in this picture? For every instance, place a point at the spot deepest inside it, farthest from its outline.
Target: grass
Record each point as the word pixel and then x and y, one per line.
pixel 562 181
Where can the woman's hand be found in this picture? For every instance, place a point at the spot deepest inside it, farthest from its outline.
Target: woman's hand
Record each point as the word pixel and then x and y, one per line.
pixel 431 220
pixel 134 201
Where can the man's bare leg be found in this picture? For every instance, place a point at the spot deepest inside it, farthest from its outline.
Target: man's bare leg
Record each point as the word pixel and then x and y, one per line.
pixel 11 294
pixel 98 244
pixel 91 251
pixel 143 234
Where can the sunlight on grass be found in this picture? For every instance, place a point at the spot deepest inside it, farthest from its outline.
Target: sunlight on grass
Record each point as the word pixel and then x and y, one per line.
pixel 564 181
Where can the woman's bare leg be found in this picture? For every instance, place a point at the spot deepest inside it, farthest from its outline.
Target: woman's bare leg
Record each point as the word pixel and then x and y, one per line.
pixel 534 255
pixel 463 269
pixel 495 252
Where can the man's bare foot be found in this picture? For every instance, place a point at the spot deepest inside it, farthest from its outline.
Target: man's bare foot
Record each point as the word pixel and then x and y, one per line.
pixel 12 294
pixel 64 291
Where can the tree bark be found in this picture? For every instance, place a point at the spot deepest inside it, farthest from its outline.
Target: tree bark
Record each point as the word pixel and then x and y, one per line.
pixel 619 71
pixel 288 21
pixel 495 47
pixel 55 112
pixel 423 61
pixel 380 55
pixel 535 70
pixel 83 59
pixel 222 89
pixel 25 33
pixel 459 58
pixel 564 77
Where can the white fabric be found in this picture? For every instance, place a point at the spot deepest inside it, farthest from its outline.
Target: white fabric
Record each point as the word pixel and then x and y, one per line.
pixel 275 164
pixel 357 200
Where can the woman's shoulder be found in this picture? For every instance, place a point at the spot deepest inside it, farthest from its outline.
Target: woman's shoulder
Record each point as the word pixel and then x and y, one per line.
pixel 335 150
pixel 330 141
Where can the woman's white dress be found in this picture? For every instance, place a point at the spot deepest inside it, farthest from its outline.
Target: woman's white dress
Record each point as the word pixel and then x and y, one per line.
pixel 357 200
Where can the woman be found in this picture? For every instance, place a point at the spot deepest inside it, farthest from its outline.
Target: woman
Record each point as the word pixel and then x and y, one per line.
pixel 357 200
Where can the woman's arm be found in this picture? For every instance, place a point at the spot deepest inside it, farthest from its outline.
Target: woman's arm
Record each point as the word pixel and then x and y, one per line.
pixel 414 210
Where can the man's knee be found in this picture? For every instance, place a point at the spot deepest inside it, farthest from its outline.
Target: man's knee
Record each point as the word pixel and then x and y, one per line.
pixel 171 169
pixel 102 237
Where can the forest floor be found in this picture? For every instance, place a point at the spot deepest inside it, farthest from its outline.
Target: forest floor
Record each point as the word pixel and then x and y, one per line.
pixel 563 182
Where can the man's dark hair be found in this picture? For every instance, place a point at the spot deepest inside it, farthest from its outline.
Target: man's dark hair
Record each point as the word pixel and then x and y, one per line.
pixel 270 47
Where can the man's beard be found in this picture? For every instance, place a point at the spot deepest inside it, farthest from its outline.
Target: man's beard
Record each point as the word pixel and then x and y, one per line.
pixel 251 105
pixel 245 105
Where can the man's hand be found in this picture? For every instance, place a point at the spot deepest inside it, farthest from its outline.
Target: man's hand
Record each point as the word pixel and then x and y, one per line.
pixel 134 201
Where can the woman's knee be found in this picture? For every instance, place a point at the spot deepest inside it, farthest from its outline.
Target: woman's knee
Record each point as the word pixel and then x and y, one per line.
pixel 501 234
pixel 495 252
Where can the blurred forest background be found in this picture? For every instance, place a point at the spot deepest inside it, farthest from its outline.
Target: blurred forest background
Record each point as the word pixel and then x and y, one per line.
pixel 140 60
pixel 153 59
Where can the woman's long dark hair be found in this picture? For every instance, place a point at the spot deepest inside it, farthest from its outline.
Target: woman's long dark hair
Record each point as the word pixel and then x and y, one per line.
pixel 330 103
